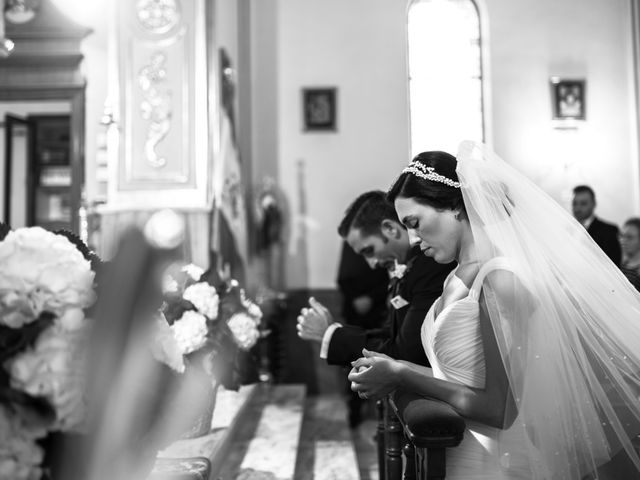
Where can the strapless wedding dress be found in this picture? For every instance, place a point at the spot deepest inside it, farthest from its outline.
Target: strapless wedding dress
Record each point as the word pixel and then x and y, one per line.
pixel 453 344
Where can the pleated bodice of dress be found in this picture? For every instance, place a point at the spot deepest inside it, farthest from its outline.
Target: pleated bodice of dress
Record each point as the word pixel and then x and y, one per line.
pixel 451 337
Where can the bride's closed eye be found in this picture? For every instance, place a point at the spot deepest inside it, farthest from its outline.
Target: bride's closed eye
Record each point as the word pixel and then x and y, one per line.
pixel 410 222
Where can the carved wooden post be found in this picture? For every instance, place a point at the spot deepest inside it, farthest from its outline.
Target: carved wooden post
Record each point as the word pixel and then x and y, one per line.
pixel 393 441
pixel 380 438
pixel 410 463
pixel 161 144
pixel 431 463
pixel 431 427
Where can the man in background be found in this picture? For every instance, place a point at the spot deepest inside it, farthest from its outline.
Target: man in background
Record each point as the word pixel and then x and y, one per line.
pixel 603 233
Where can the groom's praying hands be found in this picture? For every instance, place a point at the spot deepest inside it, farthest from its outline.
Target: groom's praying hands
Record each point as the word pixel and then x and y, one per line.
pixel 314 321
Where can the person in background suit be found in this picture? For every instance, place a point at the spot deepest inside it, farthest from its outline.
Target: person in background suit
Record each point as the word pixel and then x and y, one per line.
pixel 630 243
pixel 371 227
pixel 603 233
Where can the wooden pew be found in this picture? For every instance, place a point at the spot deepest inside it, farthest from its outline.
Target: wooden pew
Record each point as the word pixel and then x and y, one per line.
pixel 426 428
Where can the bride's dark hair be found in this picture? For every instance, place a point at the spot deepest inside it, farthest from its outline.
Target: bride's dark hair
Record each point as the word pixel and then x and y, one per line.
pixel 428 192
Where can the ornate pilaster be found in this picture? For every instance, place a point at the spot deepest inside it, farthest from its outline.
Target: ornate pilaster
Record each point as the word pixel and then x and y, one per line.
pixel 163 157
pixel 161 153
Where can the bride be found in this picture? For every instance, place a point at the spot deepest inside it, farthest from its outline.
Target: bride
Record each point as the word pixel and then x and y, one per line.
pixel 535 340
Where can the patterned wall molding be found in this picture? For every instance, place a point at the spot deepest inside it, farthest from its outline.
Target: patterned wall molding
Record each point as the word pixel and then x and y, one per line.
pixel 158 16
pixel 163 105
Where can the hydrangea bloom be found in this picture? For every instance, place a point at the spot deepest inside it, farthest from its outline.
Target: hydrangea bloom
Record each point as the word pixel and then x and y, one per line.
pixel 52 368
pixel 41 272
pixel 244 329
pixel 20 455
pixel 194 271
pixel 190 331
pixel 204 297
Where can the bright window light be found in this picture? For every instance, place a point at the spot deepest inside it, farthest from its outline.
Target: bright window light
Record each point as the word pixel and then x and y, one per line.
pixel 445 74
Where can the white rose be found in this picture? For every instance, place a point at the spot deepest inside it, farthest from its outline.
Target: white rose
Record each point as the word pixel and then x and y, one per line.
pixel 204 297
pixel 190 331
pixel 244 330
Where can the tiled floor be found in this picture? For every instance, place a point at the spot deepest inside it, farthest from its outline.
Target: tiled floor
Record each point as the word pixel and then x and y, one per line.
pixel 366 449
pixel 326 450
pixel 325 447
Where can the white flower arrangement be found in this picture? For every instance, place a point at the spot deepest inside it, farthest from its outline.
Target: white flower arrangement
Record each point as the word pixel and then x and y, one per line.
pixel 46 283
pixel 212 321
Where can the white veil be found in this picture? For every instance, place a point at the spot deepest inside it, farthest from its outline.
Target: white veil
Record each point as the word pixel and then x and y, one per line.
pixel 569 334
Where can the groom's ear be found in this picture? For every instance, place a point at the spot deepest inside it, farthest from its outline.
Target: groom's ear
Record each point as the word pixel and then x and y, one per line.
pixel 390 229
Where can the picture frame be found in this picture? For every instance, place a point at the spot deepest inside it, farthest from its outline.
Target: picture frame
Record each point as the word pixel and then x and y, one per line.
pixel 568 98
pixel 319 109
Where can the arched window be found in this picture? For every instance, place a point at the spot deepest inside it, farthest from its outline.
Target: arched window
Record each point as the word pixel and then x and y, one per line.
pixel 445 74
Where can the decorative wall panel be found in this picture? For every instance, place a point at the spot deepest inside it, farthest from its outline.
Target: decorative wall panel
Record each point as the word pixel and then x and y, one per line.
pixel 164 154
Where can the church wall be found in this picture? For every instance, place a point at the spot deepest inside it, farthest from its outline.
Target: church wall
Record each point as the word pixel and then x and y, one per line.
pixel 531 40
pixel 263 45
pixel 359 47
pixel 96 73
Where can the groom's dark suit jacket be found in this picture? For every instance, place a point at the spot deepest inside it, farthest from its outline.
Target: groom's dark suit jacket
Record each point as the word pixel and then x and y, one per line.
pixel 606 236
pixel 421 285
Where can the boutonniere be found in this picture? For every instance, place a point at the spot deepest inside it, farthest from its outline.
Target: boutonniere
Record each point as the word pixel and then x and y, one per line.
pixel 398 271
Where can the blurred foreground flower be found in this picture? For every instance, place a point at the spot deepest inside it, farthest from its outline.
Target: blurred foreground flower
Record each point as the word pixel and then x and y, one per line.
pixel 46 288
pixel 41 272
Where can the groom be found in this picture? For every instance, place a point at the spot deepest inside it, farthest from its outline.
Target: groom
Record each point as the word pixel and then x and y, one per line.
pixel 371 227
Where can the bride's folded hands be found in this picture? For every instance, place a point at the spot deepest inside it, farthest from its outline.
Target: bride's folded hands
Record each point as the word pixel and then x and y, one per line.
pixel 374 375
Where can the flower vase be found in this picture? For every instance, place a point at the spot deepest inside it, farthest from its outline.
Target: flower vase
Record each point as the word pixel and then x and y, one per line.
pixel 202 408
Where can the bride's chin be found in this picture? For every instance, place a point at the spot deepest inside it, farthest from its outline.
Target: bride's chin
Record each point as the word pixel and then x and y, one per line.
pixel 440 257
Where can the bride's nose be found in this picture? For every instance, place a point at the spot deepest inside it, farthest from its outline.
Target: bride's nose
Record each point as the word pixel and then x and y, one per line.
pixel 414 239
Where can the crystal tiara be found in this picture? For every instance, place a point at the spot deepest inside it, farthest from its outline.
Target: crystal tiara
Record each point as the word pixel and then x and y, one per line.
pixel 429 173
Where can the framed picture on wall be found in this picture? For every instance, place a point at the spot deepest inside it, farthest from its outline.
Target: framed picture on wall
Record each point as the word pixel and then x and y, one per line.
pixel 319 109
pixel 568 98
